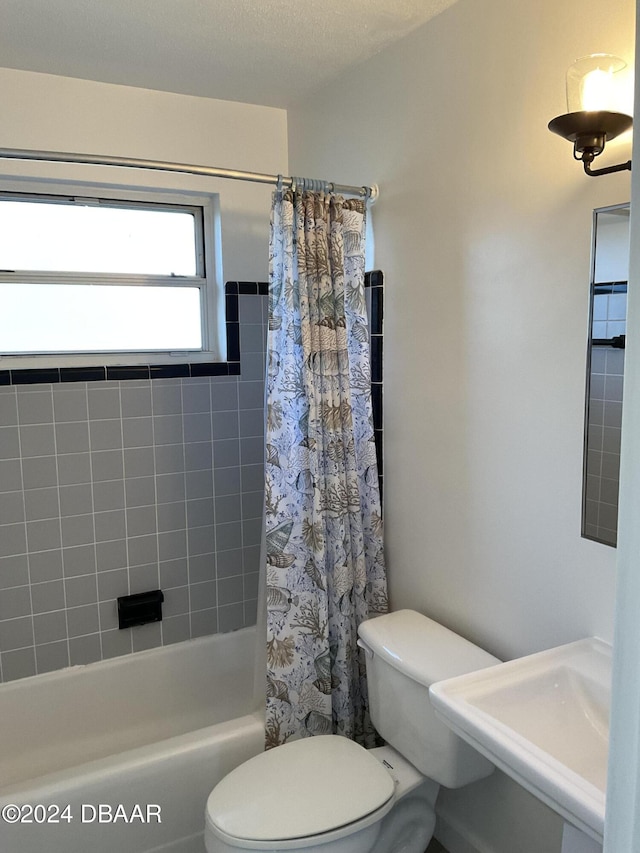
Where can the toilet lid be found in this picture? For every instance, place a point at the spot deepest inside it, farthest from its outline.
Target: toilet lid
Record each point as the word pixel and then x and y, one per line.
pixel 302 788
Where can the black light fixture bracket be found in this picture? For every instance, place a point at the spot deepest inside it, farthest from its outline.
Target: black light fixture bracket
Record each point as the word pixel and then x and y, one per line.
pixel 590 131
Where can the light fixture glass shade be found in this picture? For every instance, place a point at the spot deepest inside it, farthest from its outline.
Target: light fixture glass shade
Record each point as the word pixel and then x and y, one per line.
pixel 590 83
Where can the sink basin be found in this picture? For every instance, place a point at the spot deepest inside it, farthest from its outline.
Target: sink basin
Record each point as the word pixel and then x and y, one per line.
pixel 544 720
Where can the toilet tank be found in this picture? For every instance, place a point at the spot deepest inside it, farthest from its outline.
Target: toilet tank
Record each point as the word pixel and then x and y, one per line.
pixel 406 652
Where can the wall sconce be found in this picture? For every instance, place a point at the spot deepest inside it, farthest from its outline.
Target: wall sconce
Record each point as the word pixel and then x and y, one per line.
pixel 590 122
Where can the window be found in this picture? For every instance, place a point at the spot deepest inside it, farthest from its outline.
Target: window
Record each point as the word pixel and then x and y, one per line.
pixel 101 280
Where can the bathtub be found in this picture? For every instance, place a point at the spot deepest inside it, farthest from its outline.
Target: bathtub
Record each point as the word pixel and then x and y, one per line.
pixel 120 756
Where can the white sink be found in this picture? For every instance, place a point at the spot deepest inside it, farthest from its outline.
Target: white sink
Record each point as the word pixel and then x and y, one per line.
pixel 544 720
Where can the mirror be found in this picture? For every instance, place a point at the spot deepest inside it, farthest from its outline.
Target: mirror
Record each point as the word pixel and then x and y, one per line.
pixel 605 371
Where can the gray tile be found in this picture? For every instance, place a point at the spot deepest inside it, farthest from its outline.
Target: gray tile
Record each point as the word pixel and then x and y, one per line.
pixel 203 596
pixel 108 611
pixel 74 500
pixel 252 451
pixel 141 520
pixel 610 440
pixel 104 403
pixel 10 475
pixel 610 466
pixel 201 540
pixel 40 472
pixel 169 459
pixel 224 397
pixel 204 622
pixel 70 403
pixel 251 531
pixel 12 540
pixel 229 563
pixel 137 432
pixel 77 530
pixel 227 481
pixel 226 453
pixel 82 620
pixel 80 560
pixel 252 505
pixel 202 568
pixel 167 399
pixel 176 629
pixel 35 408
pixel 116 643
pixel 83 650
pixel 138 462
pixel 142 550
pixel 74 468
pixel 111 555
pixel 171 516
pixel 11 507
pixel 228 536
pixel 49 627
pixel 45 566
pixel 15 602
pixel 49 596
pixel 197 427
pixel 110 525
pixel 230 617
pixel 108 495
pixel 252 422
pixel 250 308
pixel 251 582
pixel 72 437
pixel 176 601
pixel 135 400
pixel 107 465
pixel 612 414
pixel 41 504
pixel 37 440
pixel 113 584
pixel 200 512
pixel 14 571
pixel 252 365
pixel 167 429
pixel 143 578
pixel 195 396
pixel 608 491
pixel 173 573
pixel 105 435
pixel 52 656
pixel 173 545
pixel 225 425
pixel 230 590
pixel 199 484
pixel 252 478
pixel 251 559
pixel 9 443
pixel 18 664
pixel 227 508
pixel 9 409
pixel 170 488
pixel 140 491
pixel 613 388
pixel 250 611
pixel 251 395
pixel 252 337
pixel 198 456
pixel 81 590
pixel 146 637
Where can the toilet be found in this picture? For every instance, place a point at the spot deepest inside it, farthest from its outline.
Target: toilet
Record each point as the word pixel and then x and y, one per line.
pixel 329 793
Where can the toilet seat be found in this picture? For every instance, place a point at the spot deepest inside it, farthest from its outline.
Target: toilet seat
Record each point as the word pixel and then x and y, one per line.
pixel 303 793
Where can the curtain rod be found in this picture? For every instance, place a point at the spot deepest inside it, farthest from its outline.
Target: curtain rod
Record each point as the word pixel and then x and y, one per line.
pixel 209 171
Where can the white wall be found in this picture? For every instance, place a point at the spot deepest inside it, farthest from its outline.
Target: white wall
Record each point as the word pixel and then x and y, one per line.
pixel 483 230
pixel 45 112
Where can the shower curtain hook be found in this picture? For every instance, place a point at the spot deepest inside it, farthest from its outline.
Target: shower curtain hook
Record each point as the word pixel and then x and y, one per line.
pixel 279 184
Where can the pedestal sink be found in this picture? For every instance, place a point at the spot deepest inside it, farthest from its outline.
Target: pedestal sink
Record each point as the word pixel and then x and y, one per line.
pixel 544 720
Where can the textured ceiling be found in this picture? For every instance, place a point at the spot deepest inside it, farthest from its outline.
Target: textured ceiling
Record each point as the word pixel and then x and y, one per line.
pixel 270 52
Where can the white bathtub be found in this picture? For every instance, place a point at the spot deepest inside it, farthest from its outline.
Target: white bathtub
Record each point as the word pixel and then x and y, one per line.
pixel 158 728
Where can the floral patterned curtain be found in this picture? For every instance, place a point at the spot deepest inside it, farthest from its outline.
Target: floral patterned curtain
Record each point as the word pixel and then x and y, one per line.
pixel 325 563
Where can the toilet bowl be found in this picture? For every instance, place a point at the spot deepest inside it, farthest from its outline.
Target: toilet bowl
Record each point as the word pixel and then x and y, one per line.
pixel 329 793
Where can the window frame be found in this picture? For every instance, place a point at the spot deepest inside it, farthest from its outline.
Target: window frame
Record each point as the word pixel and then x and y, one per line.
pixel 208 268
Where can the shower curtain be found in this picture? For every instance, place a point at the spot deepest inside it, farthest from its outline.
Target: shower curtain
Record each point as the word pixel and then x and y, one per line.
pixel 324 550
